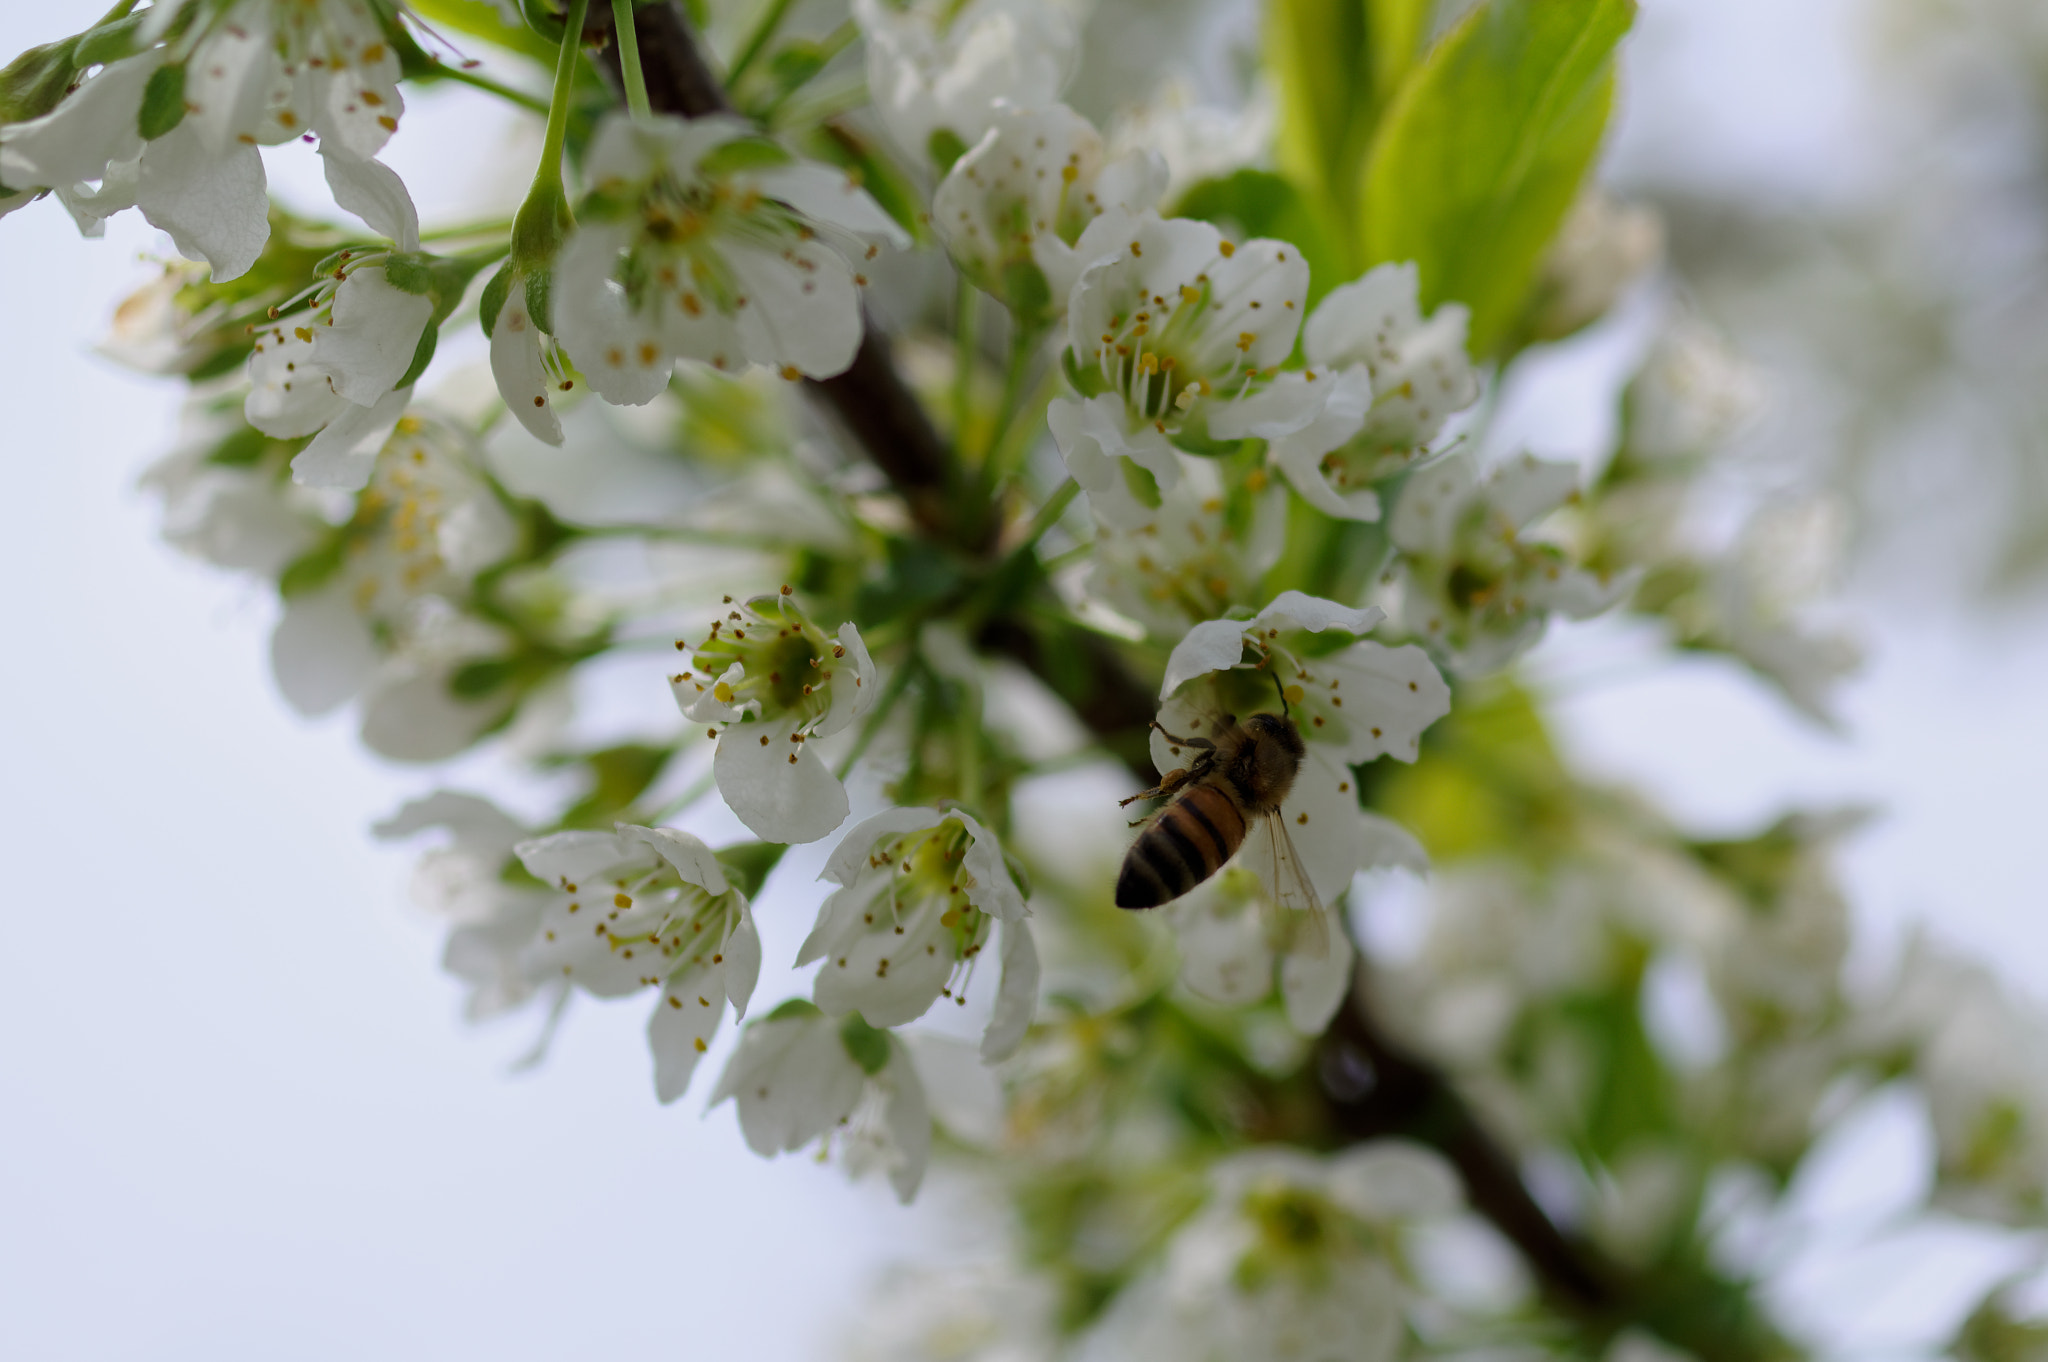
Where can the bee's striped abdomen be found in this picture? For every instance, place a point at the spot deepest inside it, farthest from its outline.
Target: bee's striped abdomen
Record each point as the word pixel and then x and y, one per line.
pixel 1187 843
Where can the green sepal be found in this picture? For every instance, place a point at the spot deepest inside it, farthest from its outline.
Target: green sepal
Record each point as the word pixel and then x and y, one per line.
pixel 793 1007
pixel 945 148
pixel 492 301
pixel 423 353
pixel 1142 484
pixel 116 41
pixel 1025 291
pixel 475 680
pixel 1087 382
pixel 1481 154
pixel 440 278
pixel 163 102
pixel 867 1046
pixel 315 568
pixel 742 154
pixel 542 20
pixel 540 300
pixel 618 776
pixel 32 84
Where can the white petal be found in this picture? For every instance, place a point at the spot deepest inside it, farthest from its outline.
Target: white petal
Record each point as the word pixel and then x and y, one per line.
pixel 1258 290
pixel 1299 610
pixel 742 962
pixel 909 1120
pixel 321 652
pixel 679 1030
pixel 1356 322
pixel 850 857
pixel 792 1081
pixel 853 683
pixel 802 308
pixel 343 454
pixel 1289 403
pixel 1432 504
pixel 779 800
pixel 516 365
pixel 622 355
pixel 832 197
pixel 690 857
pixel 232 80
pixel 965 1096
pixel 1383 843
pixel 1300 454
pixel 1092 436
pixel 215 207
pixel 474 820
pixel 373 192
pixel 1322 817
pixel 573 856
pixel 414 717
pixel 1224 956
pixel 1016 997
pixel 1211 646
pixel 888 979
pixel 1523 489
pixel 90 208
pixel 372 335
pixel 1390 695
pixel 990 887
pixel 93 125
pixel 1394 1180
pixel 288 396
pixel 1314 986
pixel 356 109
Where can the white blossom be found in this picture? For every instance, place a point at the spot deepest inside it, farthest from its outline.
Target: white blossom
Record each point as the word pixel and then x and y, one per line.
pixel 768 681
pixel 235 515
pixel 1398 378
pixel 1603 247
pixel 645 908
pixel 937 72
pixel 494 920
pixel 1693 392
pixel 1012 210
pixel 255 73
pixel 1176 335
pixel 334 370
pixel 1350 706
pixel 425 525
pixel 1197 141
pixel 1471 586
pixel 525 365
pixel 1294 1258
pixel 957 1312
pixel 1187 560
pixel 921 892
pixel 683 252
pixel 799 1076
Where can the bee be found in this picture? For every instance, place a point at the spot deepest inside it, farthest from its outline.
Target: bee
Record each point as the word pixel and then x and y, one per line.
pixel 1227 803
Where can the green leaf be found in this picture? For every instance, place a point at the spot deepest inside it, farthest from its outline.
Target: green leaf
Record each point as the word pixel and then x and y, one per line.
pixel 482 19
pixel 793 1007
pixel 1480 156
pixel 868 1046
pixel 313 569
pixel 475 680
pixel 618 776
pixel 163 102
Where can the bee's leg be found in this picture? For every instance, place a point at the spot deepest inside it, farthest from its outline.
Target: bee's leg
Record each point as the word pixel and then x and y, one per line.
pixel 1199 744
pixel 1168 783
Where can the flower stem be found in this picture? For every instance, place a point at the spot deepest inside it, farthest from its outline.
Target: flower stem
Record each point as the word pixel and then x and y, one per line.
pixel 498 88
pixel 629 60
pixel 757 40
pixel 558 104
pixel 965 312
pixel 544 219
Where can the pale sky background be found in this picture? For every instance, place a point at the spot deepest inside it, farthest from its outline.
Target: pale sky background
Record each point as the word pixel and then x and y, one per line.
pixel 241 1117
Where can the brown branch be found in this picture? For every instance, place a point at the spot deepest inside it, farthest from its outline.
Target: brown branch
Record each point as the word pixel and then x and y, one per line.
pixel 1372 1085
pixel 870 400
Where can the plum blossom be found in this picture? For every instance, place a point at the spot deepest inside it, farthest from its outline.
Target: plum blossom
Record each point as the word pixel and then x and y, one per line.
pixel 1175 335
pixel 689 246
pixel 647 908
pixel 247 74
pixel 768 681
pixel 425 525
pixel 336 370
pixel 936 71
pixel 493 919
pixel 1012 210
pixel 1350 706
pixel 1294 1258
pixel 921 892
pixel 1188 559
pixel 1397 379
pixel 1471 587
pixel 799 1076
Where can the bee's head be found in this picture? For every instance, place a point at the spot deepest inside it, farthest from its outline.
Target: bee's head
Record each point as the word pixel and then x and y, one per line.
pixel 1276 728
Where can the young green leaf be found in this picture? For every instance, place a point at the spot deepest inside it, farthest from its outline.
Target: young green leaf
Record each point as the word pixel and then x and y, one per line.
pixel 1481 154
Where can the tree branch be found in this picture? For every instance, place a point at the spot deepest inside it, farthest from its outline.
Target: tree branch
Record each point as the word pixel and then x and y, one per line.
pixel 1371 1084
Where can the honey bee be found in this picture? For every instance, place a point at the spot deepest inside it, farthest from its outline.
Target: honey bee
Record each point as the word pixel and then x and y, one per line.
pixel 1227 803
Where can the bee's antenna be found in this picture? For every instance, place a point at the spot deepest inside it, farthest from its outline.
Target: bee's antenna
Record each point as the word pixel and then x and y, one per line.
pixel 1275 674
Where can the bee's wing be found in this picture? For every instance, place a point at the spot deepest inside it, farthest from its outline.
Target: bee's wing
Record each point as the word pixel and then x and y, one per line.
pixel 1299 918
